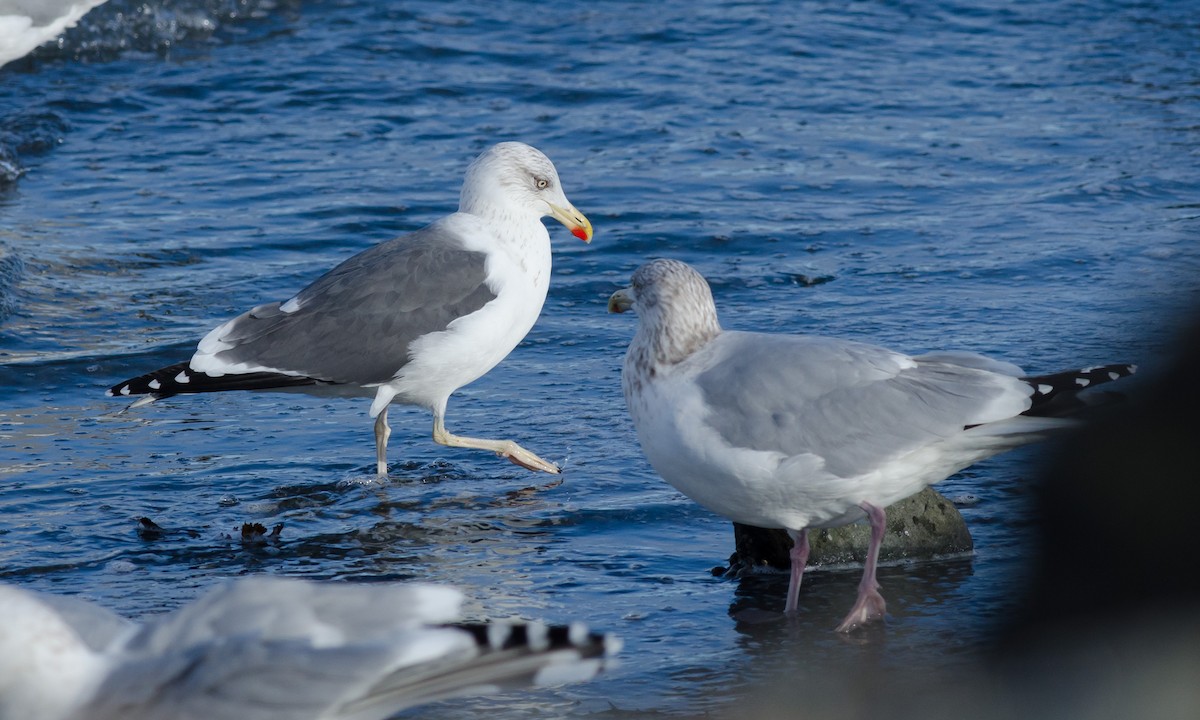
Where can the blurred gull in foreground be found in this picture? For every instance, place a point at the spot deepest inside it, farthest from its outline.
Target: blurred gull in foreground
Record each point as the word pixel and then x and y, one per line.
pixel 802 431
pixel 26 24
pixel 268 648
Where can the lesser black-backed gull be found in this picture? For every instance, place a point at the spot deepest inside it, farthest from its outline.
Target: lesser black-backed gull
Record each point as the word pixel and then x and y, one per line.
pixel 409 320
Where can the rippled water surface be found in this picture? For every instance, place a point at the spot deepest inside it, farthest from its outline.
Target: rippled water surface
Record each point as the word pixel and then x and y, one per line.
pixel 1019 180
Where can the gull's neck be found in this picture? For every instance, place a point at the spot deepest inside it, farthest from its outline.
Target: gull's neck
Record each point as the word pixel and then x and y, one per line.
pixel 515 225
pixel 668 336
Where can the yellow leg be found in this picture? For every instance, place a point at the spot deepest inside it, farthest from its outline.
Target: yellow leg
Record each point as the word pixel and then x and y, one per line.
pixel 382 433
pixel 504 448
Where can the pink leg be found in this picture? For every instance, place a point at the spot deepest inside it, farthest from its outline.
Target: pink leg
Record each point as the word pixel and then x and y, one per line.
pixel 870 604
pixel 799 560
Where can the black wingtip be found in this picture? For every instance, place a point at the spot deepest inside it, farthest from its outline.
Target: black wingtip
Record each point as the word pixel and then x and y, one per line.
pixel 540 638
pixel 1057 394
pixel 180 379
pixel 158 383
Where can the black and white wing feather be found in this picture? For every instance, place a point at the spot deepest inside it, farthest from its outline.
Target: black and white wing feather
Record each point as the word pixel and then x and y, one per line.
pixel 352 325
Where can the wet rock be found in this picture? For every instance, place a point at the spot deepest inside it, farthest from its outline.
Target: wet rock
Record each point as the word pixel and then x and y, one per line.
pixel 257 533
pixel 923 526
pixel 150 531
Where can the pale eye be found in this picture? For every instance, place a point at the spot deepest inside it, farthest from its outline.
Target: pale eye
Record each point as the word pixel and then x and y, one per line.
pixel 542 183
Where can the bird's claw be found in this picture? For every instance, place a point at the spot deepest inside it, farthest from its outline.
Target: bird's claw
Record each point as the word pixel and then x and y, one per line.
pixel 529 461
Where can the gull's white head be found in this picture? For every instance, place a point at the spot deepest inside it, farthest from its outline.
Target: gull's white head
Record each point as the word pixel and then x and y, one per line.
pixel 46 669
pixel 675 306
pixel 513 177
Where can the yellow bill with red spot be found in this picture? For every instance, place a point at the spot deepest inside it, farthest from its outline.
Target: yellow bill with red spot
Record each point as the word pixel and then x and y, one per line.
pixel 574 220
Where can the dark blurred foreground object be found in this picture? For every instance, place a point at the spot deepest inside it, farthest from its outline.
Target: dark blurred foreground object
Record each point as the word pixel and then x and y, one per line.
pixel 920 527
pixel 1117 535
pixel 265 648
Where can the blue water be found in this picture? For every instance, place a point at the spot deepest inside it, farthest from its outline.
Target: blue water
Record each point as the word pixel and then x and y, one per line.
pixel 1019 180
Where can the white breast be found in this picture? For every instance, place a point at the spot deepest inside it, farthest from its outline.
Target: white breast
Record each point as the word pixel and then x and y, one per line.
pixel 518 272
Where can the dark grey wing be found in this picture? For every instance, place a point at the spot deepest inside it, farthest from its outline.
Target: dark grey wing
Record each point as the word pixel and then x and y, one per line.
pixel 356 322
pixel 855 406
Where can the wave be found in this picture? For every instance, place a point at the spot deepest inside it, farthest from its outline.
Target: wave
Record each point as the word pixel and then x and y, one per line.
pixel 37 33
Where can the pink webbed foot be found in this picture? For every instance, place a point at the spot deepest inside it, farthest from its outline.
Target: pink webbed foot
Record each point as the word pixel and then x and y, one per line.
pixel 870 607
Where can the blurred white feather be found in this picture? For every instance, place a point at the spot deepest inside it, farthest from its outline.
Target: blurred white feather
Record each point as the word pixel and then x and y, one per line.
pixel 26 24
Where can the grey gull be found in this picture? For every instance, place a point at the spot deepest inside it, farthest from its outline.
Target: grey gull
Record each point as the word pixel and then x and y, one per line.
pixel 411 319
pixel 803 431
pixel 264 648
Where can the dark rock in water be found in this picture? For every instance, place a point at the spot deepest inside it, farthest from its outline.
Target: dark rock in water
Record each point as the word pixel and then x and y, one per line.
pixel 257 532
pixel 923 526
pixel 149 530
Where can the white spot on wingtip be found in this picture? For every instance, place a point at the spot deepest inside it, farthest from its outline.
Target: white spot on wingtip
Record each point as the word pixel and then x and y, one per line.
pixel 125 390
pixel 538 636
pixel 1113 376
pixel 1082 382
pixel 498 634
pixel 182 378
pixel 1045 389
pixel 154 384
pixel 577 633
